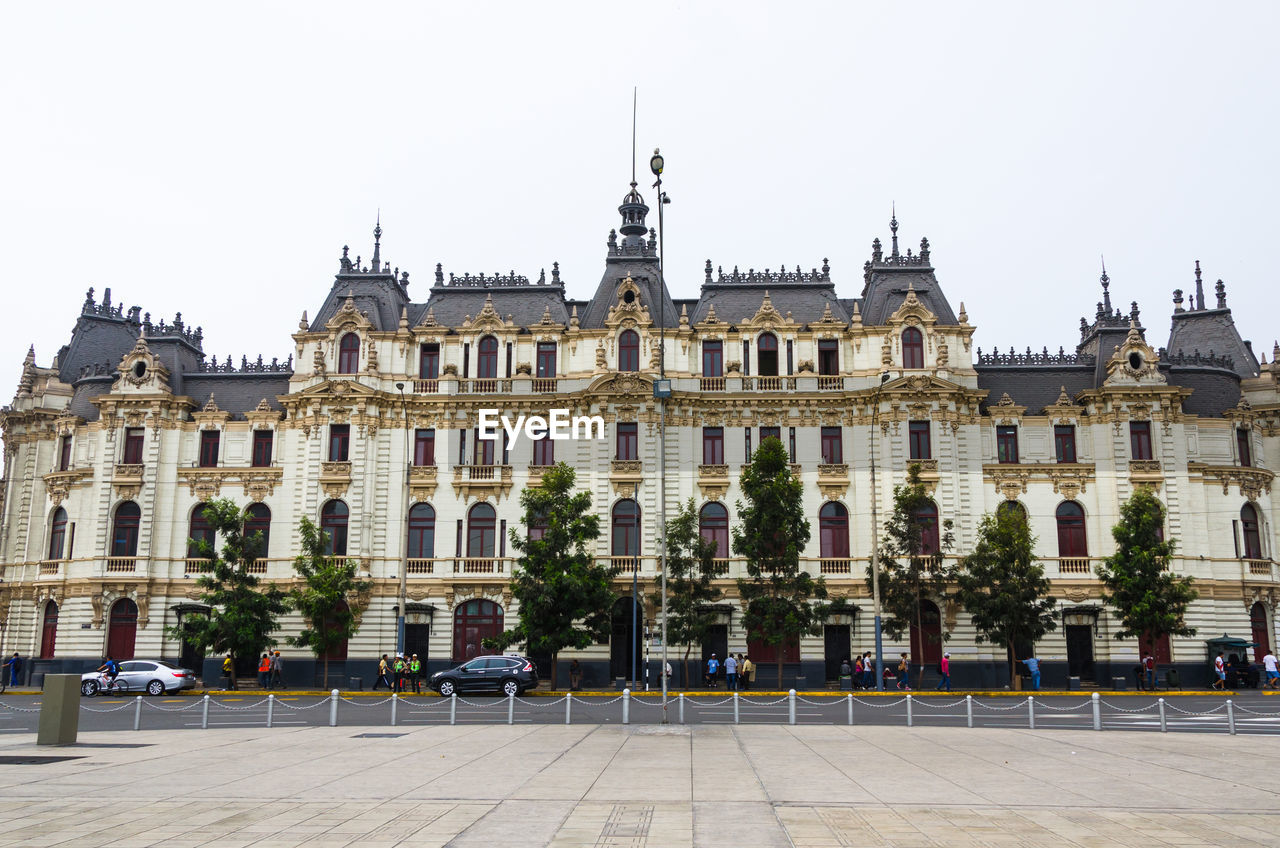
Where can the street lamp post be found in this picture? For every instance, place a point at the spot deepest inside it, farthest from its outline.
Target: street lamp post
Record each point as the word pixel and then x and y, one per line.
pixel 875 536
pixel 404 561
pixel 662 391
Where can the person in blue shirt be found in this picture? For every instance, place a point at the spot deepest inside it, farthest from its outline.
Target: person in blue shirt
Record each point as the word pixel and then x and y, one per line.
pixel 15 668
pixel 110 669
pixel 1033 666
pixel 713 668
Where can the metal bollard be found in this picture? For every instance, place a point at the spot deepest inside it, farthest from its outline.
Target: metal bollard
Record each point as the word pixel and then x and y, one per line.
pixel 453 708
pixel 568 707
pixel 395 699
pixel 849 698
pixel 681 698
pixel 1163 727
pixel 271 708
pixel 137 713
pixel 204 714
pixel 1097 711
pixel 1031 712
pixel 511 709
pixel 735 707
pixel 1231 717
pixel 909 717
pixel 791 707
pixel 333 708
pixel 626 706
pixel 968 709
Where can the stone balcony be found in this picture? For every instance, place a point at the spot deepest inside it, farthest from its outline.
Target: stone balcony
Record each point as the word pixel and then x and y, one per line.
pixel 713 481
pixel 422 481
pixel 477 480
pixel 335 477
pixel 58 484
pixel 625 475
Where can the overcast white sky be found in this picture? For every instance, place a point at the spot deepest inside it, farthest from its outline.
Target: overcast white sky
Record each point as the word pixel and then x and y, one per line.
pixel 214 159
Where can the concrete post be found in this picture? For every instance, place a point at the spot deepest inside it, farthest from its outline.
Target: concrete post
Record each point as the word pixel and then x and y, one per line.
pixel 1163 728
pixel 333 708
pixel 1031 712
pixel 968 710
pixel 568 708
pixel 453 708
pixel 59 710
pixel 1097 711
pixel 735 707
pixel 395 699
pixel 1231 717
pixel 137 713
pixel 681 700
pixel 909 717
pixel 626 706
pixel 511 709
pixel 271 709
pixel 204 714
pixel 849 699
pixel 791 706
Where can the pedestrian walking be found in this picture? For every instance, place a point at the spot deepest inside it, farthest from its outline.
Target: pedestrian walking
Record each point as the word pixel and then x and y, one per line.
pixel 748 672
pixel 1149 666
pixel 1033 666
pixel 944 668
pixel 713 668
pixel 904 673
pixel 1272 671
pixel 277 671
pixel 415 674
pixel 14 664
pixel 857 672
pixel 264 672
pixel 228 674
pixel 731 673
pixel 868 671
pixel 384 674
pixel 1220 669
pixel 575 675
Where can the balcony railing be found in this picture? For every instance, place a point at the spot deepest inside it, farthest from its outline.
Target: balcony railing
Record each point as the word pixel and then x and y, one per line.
pixel 828 383
pixel 473 473
pixel 835 566
pixel 1259 567
pixel 421 566
pixel 769 384
pixel 426 387
pixel 196 565
pixel 625 564
pixel 485 386
pixel 1075 565
pixel 544 385
pixel 711 384
pixel 122 565
pixel 50 567
pixel 480 565
pixel 258 566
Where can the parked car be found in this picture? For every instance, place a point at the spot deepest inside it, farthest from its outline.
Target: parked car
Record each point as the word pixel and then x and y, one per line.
pixel 154 677
pixel 502 675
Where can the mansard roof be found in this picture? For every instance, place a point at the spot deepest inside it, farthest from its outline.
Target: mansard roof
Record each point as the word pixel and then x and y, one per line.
pixel 736 295
pixel 515 295
pixel 1201 332
pixel 103 334
pixel 888 278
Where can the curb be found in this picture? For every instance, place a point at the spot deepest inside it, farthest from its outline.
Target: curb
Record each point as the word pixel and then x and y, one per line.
pixel 771 693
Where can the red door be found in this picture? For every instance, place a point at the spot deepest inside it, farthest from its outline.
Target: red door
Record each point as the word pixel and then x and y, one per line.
pixel 123 630
pixel 927 651
pixel 473 622
pixel 49 632
pixel 1160 650
pixel 1261 633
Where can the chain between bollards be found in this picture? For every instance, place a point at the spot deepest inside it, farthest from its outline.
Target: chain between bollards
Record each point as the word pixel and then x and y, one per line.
pixel 626 706
pixel 1231 717
pixel 395 699
pixel 909 716
pixel 791 707
pixel 1163 727
pixel 137 713
pixel 1031 712
pixel 968 709
pixel 1097 711
pixel 271 708
pixel 204 714
pixel 333 708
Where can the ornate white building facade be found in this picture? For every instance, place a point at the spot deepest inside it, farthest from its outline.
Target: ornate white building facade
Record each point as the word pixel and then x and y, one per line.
pixel 111 449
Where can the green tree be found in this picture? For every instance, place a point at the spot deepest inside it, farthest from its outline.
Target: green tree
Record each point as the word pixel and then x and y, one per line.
pixel 1150 601
pixel 326 598
pixel 243 613
pixel 692 567
pixel 1003 586
pixel 910 573
pixel 565 593
pixel 783 602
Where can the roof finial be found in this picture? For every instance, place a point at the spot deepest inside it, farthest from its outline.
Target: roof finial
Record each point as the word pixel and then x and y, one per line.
pixel 375 263
pixel 634 99
pixel 1199 304
pixel 1106 288
pixel 893 227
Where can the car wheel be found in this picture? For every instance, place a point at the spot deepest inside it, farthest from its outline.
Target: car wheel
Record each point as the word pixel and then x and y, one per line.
pixel 511 688
pixel 155 687
pixel 89 688
pixel 446 689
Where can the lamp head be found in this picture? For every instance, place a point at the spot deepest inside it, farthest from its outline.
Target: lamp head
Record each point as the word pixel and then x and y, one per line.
pixel 400 387
pixel 884 377
pixel 655 163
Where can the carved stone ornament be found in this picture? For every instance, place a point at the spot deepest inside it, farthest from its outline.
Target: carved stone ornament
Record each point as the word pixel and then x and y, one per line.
pixel 1134 362
pixel 141 370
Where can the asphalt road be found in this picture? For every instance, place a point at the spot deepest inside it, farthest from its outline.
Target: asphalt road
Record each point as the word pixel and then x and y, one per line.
pixel 1254 713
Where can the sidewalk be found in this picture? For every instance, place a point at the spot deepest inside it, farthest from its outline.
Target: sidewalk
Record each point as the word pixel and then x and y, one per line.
pixel 664 787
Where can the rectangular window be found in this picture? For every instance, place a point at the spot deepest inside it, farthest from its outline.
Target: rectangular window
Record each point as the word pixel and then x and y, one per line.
pixel 790 358
pixel 546 359
pixel 627 437
pixel 209 448
pixel 770 433
pixel 506 449
pixel 133 446
pixel 828 357
pixel 918 436
pixel 1007 444
pixel 746 357
pixel 462 447
pixel 502 538
pixel 713 358
pixel 544 451
pixel 466 360
pixel 263 441
pixel 791 444
pixel 483 450
pixel 339 442
pixel 713 446
pixel 832 445
pixel 429 361
pixel 64 453
pixel 424 447
pixel 1244 448
pixel 748 437
pixel 1064 442
pixel 458 544
pixel 508 359
pixel 1140 439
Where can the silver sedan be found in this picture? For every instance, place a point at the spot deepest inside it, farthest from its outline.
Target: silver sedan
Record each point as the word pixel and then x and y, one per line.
pixel 154 677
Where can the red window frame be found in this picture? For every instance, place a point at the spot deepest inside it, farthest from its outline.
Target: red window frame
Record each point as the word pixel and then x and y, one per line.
pixel 422 531
pixel 770 433
pixel 199 529
pixel 546 360
pixel 58 534
pixel 334 518
pixel 1072 540
pixel 912 348
pixel 487 359
pixel 482 531
pixel 263 445
pixel 624 528
pixel 828 357
pixel 629 351
pixel 713 358
pixel 210 440
pixel 483 450
pixel 627 439
pixel 339 442
pixel 429 361
pixel 349 354
pixel 544 450
pixel 133 445
pixel 64 453
pixel 926 518
pixel 1007 444
pixel 124 530
pixel 713 526
pixel 833 531
pixel 1140 439
pixel 832 445
pixel 919 442
pixel 713 446
pixel 1251 531
pixel 767 355
pixel 1244 447
pixel 259 521
pixel 1064 442
pixel 424 447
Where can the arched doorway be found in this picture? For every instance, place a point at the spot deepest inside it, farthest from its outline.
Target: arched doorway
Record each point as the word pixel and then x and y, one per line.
pixel 927 651
pixel 626 643
pixel 767 355
pixel 1261 630
pixel 487 358
pixel 122 631
pixel 124 531
pixel 49 631
pixel 473 622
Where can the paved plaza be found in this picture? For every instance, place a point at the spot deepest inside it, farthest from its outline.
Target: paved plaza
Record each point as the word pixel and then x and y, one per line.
pixel 626 787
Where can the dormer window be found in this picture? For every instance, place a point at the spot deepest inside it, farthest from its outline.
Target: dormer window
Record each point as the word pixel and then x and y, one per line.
pixel 349 354
pixel 912 348
pixel 629 351
pixel 429 361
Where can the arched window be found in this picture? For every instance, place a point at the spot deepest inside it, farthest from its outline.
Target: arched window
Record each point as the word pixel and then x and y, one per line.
pixel 422 531
pixel 124 532
pixel 713 525
pixel 482 531
pixel 1071 538
pixel 487 358
pixel 767 355
pixel 629 351
pixel 333 521
pixel 473 622
pixel 49 631
pixel 926 518
pixel 1013 508
pixel 1252 537
pixel 199 530
pixel 349 354
pixel 58 534
pixel 625 529
pixel 833 531
pixel 122 632
pixel 259 521
pixel 912 348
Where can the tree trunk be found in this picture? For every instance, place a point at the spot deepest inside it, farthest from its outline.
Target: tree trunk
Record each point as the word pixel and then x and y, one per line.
pixel 555 658
pixel 920 639
pixel 781 649
pixel 326 670
pixel 688 649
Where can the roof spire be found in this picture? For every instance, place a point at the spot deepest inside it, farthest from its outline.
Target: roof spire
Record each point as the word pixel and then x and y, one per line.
pixel 634 99
pixel 1199 304
pixel 893 227
pixel 1106 288
pixel 375 263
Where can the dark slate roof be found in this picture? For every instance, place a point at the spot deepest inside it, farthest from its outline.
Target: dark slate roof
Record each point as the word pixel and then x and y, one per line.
pixel 887 278
pixel 515 295
pixel 643 270
pixel 1034 387
pixel 85 391
pixel 1211 331
pixel 737 295
pixel 1213 390
pixel 378 295
pixel 100 338
pixel 236 393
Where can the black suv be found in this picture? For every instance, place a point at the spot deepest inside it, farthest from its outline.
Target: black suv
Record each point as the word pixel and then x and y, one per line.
pixel 504 675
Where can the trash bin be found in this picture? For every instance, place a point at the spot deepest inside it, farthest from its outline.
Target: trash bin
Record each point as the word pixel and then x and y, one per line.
pixel 799 684
pixel 356 684
pixel 1171 680
pixel 619 683
pixel 846 683
pixel 1118 683
pixel 1073 684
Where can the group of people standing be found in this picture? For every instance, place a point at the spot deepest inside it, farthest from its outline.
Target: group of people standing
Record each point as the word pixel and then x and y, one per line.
pixel 270 670
pixel 739 672
pixel 400 673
